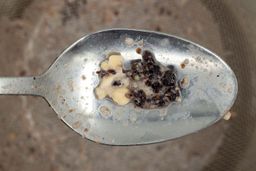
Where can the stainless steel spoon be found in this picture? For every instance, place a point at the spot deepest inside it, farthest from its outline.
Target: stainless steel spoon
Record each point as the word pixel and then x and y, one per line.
pixel 68 86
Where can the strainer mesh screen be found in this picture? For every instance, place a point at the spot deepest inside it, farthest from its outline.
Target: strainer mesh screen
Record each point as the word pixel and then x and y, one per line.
pixel 237 151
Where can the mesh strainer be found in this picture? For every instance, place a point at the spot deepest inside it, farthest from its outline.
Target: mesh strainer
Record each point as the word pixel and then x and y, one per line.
pixel 34 32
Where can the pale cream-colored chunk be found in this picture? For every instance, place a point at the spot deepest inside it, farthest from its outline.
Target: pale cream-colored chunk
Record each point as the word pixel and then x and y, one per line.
pixel 105 88
pixel 101 94
pixel 115 61
pixel 104 65
pixel 120 96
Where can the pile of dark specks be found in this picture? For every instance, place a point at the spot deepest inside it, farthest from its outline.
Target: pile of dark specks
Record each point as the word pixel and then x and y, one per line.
pixel 153 85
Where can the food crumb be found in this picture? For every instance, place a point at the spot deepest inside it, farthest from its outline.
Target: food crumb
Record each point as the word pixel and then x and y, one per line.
pixel 71 110
pixel 83 77
pixel 227 116
pixel 184 83
pixel 129 41
pixel 138 50
pixel 182 65
pixel 105 111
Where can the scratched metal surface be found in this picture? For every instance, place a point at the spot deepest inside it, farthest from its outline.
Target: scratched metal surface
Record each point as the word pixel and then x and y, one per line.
pixel 69 85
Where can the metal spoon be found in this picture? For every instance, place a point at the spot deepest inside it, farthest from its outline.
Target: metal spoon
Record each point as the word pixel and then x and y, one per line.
pixel 68 86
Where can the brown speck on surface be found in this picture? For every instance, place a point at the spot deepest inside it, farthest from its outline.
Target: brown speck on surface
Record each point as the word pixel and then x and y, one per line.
pixel 158 28
pixel 138 50
pixel 116 12
pixel 63 101
pixel 182 65
pixel 71 110
pixel 86 130
pixel 23 73
pixel 31 150
pixel 168 12
pixel 128 95
pixel 161 11
pixel 83 77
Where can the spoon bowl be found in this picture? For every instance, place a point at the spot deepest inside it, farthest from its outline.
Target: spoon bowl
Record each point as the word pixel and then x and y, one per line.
pixel 68 86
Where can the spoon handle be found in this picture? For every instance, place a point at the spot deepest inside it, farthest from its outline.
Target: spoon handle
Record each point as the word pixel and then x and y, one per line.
pixel 19 86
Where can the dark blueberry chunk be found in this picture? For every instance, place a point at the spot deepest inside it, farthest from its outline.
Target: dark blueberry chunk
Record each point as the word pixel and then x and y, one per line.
pixel 167 82
pixel 102 73
pixel 156 86
pixel 155 98
pixel 151 76
pixel 170 90
pixel 172 97
pixel 137 102
pixel 135 61
pixel 157 70
pixel 169 78
pixel 169 74
pixel 148 83
pixel 116 83
pixel 140 97
pixel 171 68
pixel 161 103
pixel 139 93
pixel 136 65
pixel 148 100
pixel 142 94
pixel 148 57
pixel 171 94
pixel 145 72
pixel 153 69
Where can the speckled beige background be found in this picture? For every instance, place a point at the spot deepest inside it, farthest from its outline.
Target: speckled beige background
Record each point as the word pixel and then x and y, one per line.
pixel 33 138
